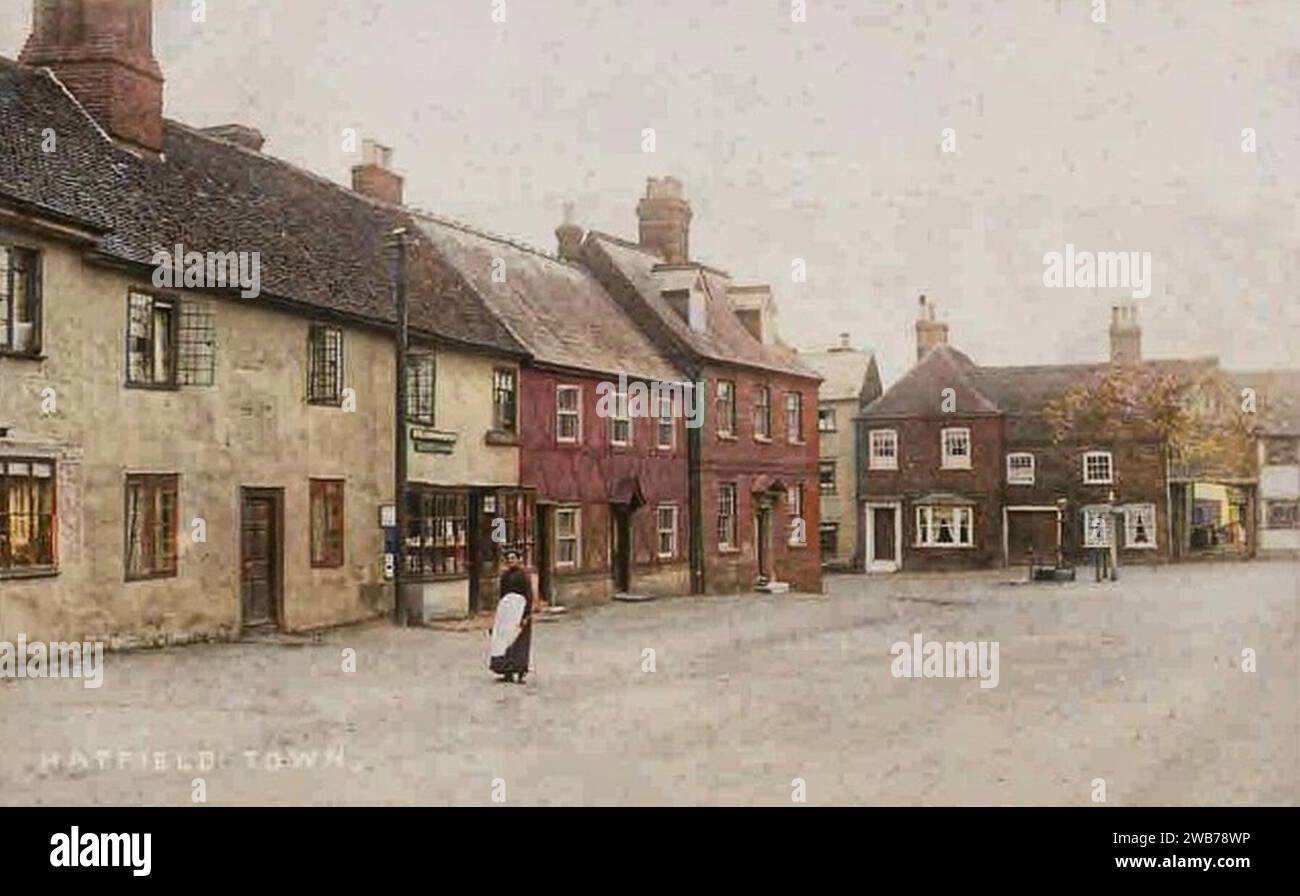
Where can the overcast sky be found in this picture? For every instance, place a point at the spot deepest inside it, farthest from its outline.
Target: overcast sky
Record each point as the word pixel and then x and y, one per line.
pixel 821 141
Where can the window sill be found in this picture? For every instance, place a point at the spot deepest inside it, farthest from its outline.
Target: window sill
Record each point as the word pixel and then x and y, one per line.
pixel 873 469
pixel 1098 482
pixel 796 441
pixel 149 577
pixel 39 572
pixel 727 549
pixel 797 544
pixel 22 356
pixel 966 468
pixel 724 437
pixel 501 437
pixel 766 440
pixel 153 387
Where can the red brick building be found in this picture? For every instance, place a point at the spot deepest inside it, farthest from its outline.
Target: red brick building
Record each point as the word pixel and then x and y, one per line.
pixel 611 489
pixel 754 503
pixel 960 468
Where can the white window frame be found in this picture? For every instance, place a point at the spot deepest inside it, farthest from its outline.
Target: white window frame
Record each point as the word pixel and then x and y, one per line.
pixel 1130 526
pixel 926 529
pixel 666 419
pixel 794 498
pixel 576 512
pixel 794 433
pixel 1020 477
pixel 877 461
pixel 733 533
pixel 620 414
pixel 951 461
pixel 1110 468
pixel 661 531
pixel 1108 528
pixel 561 414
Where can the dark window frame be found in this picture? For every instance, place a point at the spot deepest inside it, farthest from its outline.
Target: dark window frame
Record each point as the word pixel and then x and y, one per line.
pixel 153 486
pixel 505 401
pixel 444 556
pixel 725 408
pixel 333 544
pixel 421 388
pixel 833 488
pixel 319 391
pixel 33 301
pixel 172 381
pixel 7 567
pixel 826 414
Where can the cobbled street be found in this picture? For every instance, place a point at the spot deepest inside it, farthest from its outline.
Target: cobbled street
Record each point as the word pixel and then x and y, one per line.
pixel 1139 683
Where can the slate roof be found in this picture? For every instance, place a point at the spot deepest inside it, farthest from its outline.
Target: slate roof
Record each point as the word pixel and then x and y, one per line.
pixel 556 309
pixel 321 245
pixel 1277 399
pixel 844 372
pixel 726 339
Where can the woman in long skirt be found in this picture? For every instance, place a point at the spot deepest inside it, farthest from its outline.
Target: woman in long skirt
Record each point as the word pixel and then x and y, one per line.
pixel 512 665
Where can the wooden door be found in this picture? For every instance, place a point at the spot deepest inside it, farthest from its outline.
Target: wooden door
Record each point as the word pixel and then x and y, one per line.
pixel 884 537
pixel 260 556
pixel 622 548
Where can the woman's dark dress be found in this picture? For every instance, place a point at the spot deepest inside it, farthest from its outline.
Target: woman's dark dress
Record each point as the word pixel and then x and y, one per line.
pixel 516 657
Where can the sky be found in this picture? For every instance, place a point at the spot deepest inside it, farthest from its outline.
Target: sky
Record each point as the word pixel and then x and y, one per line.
pixel 822 141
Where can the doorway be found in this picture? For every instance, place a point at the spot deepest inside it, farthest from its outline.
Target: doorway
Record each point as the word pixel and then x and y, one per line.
pixel 545 522
pixel 261 556
pixel 763 526
pixel 884 537
pixel 621 549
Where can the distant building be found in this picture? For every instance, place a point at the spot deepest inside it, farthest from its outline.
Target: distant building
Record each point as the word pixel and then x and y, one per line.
pixel 1277 394
pixel 850 381
pixel 962 468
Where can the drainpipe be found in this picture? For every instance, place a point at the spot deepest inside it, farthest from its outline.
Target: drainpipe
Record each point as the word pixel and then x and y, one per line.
pixel 396 243
pixel 694 445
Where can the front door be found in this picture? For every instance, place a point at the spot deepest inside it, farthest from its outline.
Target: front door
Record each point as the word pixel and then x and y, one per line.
pixel 764 535
pixel 622 548
pixel 544 521
pixel 882 538
pixel 259 556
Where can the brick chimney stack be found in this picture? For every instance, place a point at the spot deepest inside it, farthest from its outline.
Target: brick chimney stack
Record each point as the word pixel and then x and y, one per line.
pixel 375 177
pixel 929 332
pixel 1125 335
pixel 102 51
pixel 665 220
pixel 568 236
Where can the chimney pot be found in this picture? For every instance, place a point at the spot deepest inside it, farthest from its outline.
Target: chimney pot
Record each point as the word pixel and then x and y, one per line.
pixel 929 332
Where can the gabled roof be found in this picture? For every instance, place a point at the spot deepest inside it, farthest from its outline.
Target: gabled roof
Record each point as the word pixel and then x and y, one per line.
pixel 920 393
pixel 321 245
pixel 846 373
pixel 555 309
pixel 1277 397
pixel 725 339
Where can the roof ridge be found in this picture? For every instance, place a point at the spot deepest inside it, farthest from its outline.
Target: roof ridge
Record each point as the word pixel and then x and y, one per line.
pixel 466 227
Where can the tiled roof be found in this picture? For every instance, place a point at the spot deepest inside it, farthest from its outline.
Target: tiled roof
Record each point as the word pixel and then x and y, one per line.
pixel 555 309
pixel 725 338
pixel 920 392
pixel 321 245
pixel 844 372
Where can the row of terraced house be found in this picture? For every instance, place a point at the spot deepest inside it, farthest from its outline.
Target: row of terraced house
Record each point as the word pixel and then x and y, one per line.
pixel 180 463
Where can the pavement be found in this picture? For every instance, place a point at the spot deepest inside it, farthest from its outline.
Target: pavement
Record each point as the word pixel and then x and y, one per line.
pixel 1138 691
